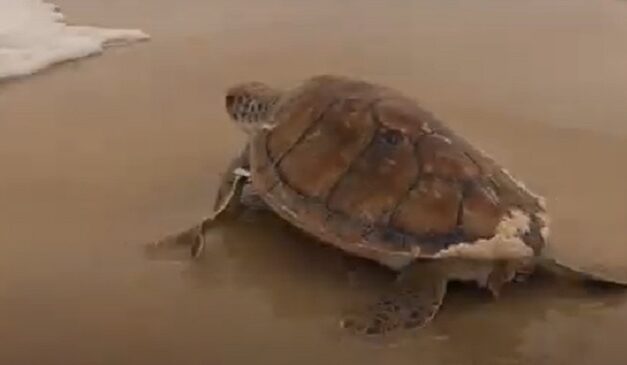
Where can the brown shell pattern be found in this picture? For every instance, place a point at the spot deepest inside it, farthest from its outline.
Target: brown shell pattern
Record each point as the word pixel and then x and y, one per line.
pixel 357 164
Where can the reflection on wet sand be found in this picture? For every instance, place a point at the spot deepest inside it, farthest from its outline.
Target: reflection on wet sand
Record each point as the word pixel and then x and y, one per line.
pixel 304 281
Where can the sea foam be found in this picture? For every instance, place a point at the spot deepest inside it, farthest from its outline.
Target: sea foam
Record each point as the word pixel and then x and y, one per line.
pixel 34 35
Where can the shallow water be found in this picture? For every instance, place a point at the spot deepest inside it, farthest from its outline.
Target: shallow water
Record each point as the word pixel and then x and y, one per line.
pixel 102 155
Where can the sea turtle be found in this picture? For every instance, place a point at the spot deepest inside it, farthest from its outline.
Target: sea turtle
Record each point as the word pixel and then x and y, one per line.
pixel 362 167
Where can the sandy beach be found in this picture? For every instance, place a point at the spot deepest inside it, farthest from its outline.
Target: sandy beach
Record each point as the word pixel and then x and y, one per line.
pixel 104 154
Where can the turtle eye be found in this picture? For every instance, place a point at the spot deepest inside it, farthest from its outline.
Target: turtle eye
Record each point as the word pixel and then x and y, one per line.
pixel 230 99
pixel 392 137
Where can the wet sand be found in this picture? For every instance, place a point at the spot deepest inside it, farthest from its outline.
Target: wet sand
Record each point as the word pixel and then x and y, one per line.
pixel 103 155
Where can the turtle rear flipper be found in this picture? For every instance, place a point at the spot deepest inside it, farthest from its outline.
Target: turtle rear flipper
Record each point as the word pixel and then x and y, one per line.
pixel 412 303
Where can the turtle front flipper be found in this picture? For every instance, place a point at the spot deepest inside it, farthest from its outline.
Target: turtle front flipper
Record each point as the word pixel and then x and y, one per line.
pixel 228 203
pixel 412 303
pixel 237 169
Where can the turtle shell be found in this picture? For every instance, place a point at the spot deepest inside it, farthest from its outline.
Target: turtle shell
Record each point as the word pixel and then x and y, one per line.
pixel 364 168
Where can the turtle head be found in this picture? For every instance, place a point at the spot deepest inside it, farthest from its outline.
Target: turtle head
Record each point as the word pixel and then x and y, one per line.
pixel 251 105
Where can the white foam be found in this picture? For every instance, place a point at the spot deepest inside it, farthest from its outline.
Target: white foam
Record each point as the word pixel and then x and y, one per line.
pixel 33 36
